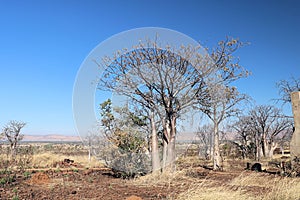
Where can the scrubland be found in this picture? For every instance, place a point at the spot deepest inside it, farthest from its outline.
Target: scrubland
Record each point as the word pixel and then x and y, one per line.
pixel 64 171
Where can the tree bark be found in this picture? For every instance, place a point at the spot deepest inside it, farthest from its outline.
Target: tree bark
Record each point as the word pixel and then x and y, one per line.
pixel 171 154
pixel 271 149
pixel 166 139
pixel 217 160
pixel 154 146
pixel 258 149
pixel 13 151
pixel 244 149
pixel 170 165
pixel 211 148
pixel 165 150
pixel 264 146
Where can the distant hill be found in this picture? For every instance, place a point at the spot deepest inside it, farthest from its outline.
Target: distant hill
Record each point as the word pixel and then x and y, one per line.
pixel 51 138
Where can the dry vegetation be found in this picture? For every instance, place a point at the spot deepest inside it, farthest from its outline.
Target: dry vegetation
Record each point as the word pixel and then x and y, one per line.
pixel 49 159
pixel 195 182
pixel 49 155
pixel 193 179
pixel 246 186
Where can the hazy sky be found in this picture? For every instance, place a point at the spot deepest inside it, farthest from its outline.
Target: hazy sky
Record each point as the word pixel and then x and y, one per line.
pixel 43 44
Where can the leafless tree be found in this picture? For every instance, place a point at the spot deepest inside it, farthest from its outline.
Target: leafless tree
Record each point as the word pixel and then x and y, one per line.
pixel 169 81
pixel 161 79
pixel 244 136
pixel 222 105
pixel 205 137
pixel 92 141
pixel 12 132
pixel 263 129
pixel 268 124
pixel 221 99
pixel 285 87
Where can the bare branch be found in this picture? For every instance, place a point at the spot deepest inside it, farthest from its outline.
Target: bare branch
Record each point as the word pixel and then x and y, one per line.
pixel 12 132
pixel 286 87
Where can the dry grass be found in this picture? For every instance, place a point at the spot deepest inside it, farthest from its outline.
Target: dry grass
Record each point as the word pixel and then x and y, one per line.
pixel 192 182
pixel 208 191
pixel 253 179
pixel 278 187
pixel 237 184
pixel 247 186
pixel 48 159
pixel 184 166
pixel 195 189
pixel 286 188
pixel 160 179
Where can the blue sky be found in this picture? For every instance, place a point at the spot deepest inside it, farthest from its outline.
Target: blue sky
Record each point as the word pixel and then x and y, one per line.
pixel 43 44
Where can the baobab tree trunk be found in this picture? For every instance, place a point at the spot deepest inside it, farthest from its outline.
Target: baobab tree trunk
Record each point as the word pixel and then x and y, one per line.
pixel 171 154
pixel 154 146
pixel 271 148
pixel 264 146
pixel 217 160
pixel 211 147
pixel 165 150
pixel 13 152
pixel 258 149
pixel 244 149
pixel 166 139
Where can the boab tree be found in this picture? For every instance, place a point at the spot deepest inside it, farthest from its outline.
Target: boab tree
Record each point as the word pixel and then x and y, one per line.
pixel 221 105
pixel 244 136
pixel 267 123
pixel 221 98
pixel 204 136
pixel 168 82
pixel 286 87
pixel 12 132
pixel 262 129
pixel 162 80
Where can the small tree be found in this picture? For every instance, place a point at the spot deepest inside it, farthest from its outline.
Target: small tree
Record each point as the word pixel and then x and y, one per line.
pixel 286 87
pixel 125 139
pixel 245 137
pixel 124 128
pixel 205 136
pixel 91 141
pixel 12 132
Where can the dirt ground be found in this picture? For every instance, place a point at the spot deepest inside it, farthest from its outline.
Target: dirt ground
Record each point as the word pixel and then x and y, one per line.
pixel 81 184
pixel 73 182
pixel 101 184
